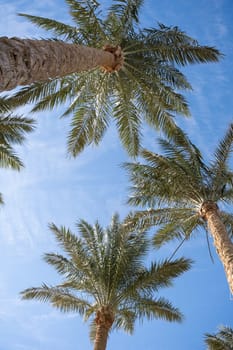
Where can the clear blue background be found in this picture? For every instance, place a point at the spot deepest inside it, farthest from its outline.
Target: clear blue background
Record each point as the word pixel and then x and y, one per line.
pixel 55 188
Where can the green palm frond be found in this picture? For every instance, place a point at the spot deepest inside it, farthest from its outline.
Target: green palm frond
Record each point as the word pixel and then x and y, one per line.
pixel 157 308
pixel 125 320
pixel 86 128
pixel 127 12
pixel 224 148
pixel 68 241
pixel 4 106
pixel 176 46
pixel 86 14
pixel 171 75
pixel 222 340
pixel 157 276
pixel 63 265
pixel 8 158
pixel 90 121
pixel 13 129
pixel 219 167
pixel 153 217
pixel 62 30
pixel 93 241
pixel 128 123
pixel 152 95
pixel 59 298
pixel 83 90
pixel 63 92
pixel 176 229
pixel 33 93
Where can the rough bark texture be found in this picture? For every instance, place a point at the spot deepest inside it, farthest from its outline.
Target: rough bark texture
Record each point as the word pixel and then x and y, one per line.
pixel 222 242
pixel 24 61
pixel 104 320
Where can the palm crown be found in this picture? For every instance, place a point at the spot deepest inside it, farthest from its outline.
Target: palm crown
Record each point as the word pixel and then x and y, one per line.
pixel 177 184
pixel 222 340
pixel 144 88
pixel 184 193
pixel 104 271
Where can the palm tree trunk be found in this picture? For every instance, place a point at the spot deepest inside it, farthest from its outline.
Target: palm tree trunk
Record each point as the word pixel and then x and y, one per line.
pixel 104 320
pixel 24 61
pixel 221 240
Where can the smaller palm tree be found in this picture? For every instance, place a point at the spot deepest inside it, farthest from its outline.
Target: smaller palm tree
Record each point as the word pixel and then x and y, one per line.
pixel 184 193
pixel 106 279
pixel 223 340
pixel 13 129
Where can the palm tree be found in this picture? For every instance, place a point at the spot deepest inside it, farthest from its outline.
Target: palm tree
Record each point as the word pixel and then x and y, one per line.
pixel 106 279
pixel 120 71
pixel 183 193
pixel 223 340
pixel 12 131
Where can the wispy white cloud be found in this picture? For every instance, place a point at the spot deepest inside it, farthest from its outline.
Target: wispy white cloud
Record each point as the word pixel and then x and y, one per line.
pixel 13 25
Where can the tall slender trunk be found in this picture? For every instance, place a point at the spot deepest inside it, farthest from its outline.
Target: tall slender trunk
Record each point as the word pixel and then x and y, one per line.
pixel 24 61
pixel 221 240
pixel 104 320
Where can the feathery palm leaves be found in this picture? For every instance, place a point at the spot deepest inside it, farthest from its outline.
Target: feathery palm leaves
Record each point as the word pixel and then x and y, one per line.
pixel 105 277
pixel 222 340
pixel 183 193
pixel 13 129
pixel 143 89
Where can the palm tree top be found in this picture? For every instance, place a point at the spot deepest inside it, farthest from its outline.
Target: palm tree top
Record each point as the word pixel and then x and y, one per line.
pixel 178 186
pixel 105 268
pixel 145 80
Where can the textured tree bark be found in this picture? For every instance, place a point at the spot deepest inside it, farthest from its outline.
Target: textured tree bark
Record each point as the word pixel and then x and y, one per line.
pixel 222 242
pixel 24 61
pixel 104 320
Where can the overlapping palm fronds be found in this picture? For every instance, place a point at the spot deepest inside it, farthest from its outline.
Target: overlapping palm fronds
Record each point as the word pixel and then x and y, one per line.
pixel 222 340
pixel 177 185
pixel 13 129
pixel 105 268
pixel 145 89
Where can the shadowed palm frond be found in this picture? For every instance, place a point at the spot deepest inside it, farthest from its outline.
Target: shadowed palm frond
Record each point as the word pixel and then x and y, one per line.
pixel 125 320
pixel 13 129
pixel 222 340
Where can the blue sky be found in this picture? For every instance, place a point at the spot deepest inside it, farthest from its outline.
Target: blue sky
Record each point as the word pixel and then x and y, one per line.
pixel 54 188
